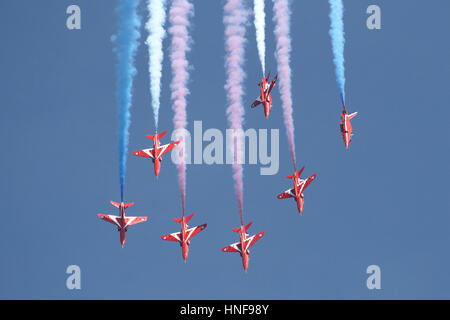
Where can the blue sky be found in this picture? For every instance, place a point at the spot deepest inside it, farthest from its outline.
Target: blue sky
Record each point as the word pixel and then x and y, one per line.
pixel 384 201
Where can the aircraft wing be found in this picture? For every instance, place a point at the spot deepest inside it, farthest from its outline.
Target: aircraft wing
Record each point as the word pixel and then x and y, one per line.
pixel 352 115
pixel 146 153
pixel 109 218
pixel 253 239
pixel 131 221
pixel 235 247
pixel 193 231
pixel 257 102
pixel 167 147
pixel 176 236
pixel 290 193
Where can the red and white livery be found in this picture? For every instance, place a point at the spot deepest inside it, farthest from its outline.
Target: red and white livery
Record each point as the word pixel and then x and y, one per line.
pixel 122 222
pixel 299 186
pixel 346 126
pixel 243 246
pixel 157 151
pixel 265 95
pixel 184 237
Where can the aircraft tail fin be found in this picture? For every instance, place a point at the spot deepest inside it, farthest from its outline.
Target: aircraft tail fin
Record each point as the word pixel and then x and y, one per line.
pixel 186 219
pixel 126 205
pixel 189 217
pixel 115 204
pixel 299 173
pixel 160 135
pixel 245 228
pixel 272 83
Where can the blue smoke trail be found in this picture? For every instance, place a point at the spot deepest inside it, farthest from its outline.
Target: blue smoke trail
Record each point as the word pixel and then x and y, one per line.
pixel 126 44
pixel 338 41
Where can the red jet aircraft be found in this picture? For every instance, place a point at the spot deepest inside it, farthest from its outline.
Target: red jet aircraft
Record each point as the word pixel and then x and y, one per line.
pixel 157 151
pixel 244 245
pixel 185 235
pixel 346 126
pixel 265 97
pixel 122 222
pixel 299 186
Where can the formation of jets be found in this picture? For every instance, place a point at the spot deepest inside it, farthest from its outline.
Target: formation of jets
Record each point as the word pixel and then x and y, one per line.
pixel 187 233
pixel 265 98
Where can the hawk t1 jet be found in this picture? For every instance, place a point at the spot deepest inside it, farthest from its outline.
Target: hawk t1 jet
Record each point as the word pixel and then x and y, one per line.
pixel 265 96
pixel 299 186
pixel 184 236
pixel 122 221
pixel 243 246
pixel 157 151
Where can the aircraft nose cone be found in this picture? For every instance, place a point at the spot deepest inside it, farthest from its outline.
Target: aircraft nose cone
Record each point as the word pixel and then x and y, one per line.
pixel 185 253
pixel 245 262
pixel 122 239
pixel 300 208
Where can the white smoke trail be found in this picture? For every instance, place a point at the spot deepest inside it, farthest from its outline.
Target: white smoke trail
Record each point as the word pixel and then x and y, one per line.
pixel 179 16
pixel 282 15
pixel 235 20
pixel 155 28
pixel 338 41
pixel 260 26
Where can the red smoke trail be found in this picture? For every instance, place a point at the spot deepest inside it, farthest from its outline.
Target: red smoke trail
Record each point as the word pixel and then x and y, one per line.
pixel 283 49
pixel 179 15
pixel 235 20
